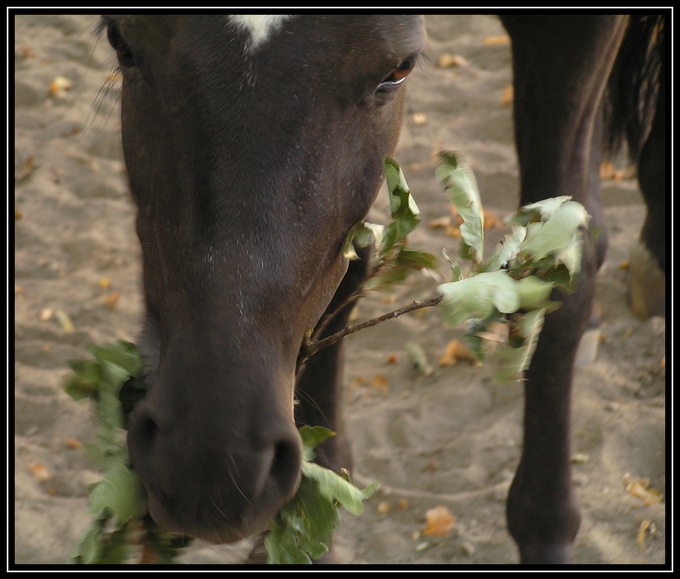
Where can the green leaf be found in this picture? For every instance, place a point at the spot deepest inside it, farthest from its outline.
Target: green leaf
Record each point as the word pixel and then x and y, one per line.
pixel 535 293
pixel 539 211
pixel 122 354
pixel 507 250
pixel 335 488
pixel 313 436
pixel 119 493
pixel 478 297
pixel 90 547
pixel 557 235
pixel 460 184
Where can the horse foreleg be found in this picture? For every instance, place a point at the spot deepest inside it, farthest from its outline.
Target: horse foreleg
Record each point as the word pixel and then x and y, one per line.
pixel 560 66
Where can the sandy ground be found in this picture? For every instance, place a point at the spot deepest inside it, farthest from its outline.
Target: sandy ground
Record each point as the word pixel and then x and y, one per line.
pixel 452 438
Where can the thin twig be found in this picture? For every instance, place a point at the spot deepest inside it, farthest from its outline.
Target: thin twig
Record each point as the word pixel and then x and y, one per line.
pixel 314 346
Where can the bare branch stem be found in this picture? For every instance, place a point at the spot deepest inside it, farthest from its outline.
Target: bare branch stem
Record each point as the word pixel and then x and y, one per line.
pixel 314 346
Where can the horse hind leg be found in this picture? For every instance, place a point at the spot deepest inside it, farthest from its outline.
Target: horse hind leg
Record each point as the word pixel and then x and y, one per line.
pixel 648 256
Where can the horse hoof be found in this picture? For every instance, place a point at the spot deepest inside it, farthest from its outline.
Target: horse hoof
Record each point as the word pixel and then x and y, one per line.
pixel 647 283
pixel 590 340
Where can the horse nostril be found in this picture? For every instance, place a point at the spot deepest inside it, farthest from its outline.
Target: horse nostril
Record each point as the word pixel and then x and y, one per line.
pixel 285 467
pixel 143 431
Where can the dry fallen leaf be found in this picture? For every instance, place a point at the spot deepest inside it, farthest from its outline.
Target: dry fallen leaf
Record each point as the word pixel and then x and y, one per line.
pixel 392 359
pixel 380 383
pixel 508 96
pixel 609 172
pixel 580 458
pixel 439 521
pixel 496 332
pixel 440 222
pixel 640 488
pixel 110 300
pixel 60 85
pixel 73 443
pixel 646 526
pixel 383 508
pixel 26 52
pixel 447 60
pixel 491 221
pixel 26 170
pixel 456 352
pixel 502 40
pixel 39 471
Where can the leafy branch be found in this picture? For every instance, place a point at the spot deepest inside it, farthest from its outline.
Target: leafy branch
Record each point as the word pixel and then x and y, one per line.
pixel 504 299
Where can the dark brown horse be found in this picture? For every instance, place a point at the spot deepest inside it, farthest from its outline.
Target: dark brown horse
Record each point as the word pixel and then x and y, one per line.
pixel 253 144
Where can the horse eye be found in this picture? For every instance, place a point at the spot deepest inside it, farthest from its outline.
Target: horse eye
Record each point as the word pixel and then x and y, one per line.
pixel 398 75
pixel 125 56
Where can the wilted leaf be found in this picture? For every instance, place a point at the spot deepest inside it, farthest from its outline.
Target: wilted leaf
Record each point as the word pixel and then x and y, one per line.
pixel 362 235
pixel 418 358
pixel 460 184
pixel 404 210
pixel 439 521
pixel 513 360
pixel 64 321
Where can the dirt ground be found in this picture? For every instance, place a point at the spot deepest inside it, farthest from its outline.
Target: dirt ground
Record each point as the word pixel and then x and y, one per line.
pixel 451 438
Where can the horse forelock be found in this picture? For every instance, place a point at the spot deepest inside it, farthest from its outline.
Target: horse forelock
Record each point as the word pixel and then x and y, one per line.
pixel 259 26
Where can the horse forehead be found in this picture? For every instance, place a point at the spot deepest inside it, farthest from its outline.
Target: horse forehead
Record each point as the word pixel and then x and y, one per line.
pixel 259 26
